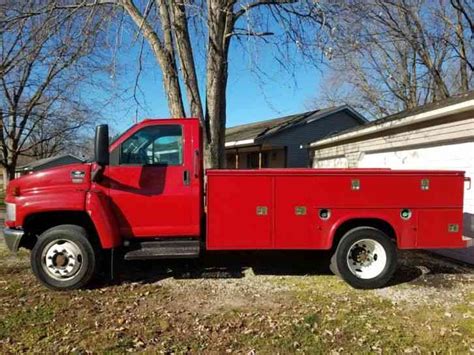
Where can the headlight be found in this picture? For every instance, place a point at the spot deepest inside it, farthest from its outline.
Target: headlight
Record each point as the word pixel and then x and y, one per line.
pixel 10 211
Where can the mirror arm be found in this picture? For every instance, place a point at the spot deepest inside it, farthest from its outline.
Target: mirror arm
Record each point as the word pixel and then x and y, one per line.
pixel 97 173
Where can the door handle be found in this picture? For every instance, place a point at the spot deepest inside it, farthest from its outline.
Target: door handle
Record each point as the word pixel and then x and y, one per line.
pixel 196 163
pixel 186 177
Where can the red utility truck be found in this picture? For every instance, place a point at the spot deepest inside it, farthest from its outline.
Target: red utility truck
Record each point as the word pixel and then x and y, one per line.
pixel 145 195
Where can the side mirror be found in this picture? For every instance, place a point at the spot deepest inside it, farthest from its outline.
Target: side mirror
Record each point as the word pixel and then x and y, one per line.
pixel 101 148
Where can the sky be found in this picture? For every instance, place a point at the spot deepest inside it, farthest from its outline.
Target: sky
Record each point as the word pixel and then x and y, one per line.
pixel 258 87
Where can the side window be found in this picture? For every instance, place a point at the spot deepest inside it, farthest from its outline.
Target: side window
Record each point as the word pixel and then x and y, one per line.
pixel 154 145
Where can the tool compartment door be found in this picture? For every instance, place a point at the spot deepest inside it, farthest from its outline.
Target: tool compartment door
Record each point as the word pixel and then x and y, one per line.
pixel 440 228
pixel 296 213
pixel 239 212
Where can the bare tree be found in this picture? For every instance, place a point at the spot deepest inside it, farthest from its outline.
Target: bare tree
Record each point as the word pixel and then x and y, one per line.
pixel 222 21
pixel 171 28
pixel 396 55
pixel 466 9
pixel 461 43
pixel 43 56
pixel 61 131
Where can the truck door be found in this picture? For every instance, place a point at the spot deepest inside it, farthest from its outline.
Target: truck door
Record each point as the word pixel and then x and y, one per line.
pixel 152 188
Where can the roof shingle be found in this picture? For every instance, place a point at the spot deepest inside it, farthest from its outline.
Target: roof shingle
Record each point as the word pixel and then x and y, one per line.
pixel 263 129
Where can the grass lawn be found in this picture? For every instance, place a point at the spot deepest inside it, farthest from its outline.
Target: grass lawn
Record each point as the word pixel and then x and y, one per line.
pixel 219 309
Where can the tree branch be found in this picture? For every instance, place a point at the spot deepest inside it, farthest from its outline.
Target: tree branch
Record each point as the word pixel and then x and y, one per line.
pixel 258 3
pixel 244 32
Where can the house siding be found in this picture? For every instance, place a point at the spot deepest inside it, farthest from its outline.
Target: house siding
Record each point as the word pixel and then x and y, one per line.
pixel 445 144
pixel 293 138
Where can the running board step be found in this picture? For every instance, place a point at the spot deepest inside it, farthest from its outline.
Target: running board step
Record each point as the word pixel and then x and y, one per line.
pixel 164 249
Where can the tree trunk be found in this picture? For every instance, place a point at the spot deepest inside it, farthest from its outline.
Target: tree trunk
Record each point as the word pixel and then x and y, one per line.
pixel 5 179
pixel 414 81
pixel 164 57
pixel 220 23
pixel 464 85
pixel 418 41
pixel 10 170
pixel 11 159
pixel 185 52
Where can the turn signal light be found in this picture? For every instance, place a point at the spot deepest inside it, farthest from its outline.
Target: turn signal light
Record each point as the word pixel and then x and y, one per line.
pixel 16 191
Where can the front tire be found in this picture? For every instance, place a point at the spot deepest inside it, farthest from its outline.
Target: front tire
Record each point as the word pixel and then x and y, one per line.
pixel 366 258
pixel 63 258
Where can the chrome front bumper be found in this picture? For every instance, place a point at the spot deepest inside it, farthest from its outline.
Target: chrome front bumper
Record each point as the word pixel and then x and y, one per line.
pixel 12 238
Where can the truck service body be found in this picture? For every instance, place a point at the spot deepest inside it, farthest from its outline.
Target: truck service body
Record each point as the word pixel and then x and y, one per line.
pixel 148 196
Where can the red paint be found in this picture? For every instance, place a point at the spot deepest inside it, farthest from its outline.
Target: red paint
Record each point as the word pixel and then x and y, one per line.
pixel 48 191
pixel 382 195
pixel 135 201
pixel 232 219
pixel 105 222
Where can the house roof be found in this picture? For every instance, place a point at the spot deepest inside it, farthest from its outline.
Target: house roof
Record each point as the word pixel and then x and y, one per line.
pixel 451 105
pixel 50 162
pixel 249 133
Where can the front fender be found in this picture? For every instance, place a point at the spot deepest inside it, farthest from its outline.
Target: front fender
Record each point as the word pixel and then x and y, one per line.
pixel 98 208
pixel 43 202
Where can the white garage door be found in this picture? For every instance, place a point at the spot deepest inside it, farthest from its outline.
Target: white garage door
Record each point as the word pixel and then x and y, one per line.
pixel 332 163
pixel 446 157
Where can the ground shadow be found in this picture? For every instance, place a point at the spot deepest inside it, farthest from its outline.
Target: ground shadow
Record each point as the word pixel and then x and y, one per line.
pixel 424 268
pixel 223 265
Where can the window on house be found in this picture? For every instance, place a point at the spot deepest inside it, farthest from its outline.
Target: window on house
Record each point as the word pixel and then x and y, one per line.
pixel 253 160
pixel 230 161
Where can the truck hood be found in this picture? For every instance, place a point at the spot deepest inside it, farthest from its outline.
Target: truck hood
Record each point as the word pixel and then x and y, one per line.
pixel 65 177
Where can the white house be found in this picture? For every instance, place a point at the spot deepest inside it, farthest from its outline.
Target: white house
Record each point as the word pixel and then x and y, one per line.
pixel 434 136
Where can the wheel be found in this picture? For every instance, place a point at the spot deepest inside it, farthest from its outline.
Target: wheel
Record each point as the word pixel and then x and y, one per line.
pixel 365 258
pixel 63 258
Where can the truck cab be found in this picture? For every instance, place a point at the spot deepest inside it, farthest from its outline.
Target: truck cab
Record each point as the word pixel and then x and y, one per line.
pixel 153 180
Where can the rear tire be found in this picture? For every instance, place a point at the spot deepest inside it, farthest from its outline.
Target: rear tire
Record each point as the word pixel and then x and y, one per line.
pixel 63 258
pixel 366 258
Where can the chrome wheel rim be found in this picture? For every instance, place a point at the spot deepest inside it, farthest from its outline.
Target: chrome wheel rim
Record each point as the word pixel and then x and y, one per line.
pixel 62 259
pixel 366 259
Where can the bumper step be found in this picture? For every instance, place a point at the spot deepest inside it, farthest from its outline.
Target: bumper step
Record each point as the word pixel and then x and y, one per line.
pixel 164 249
